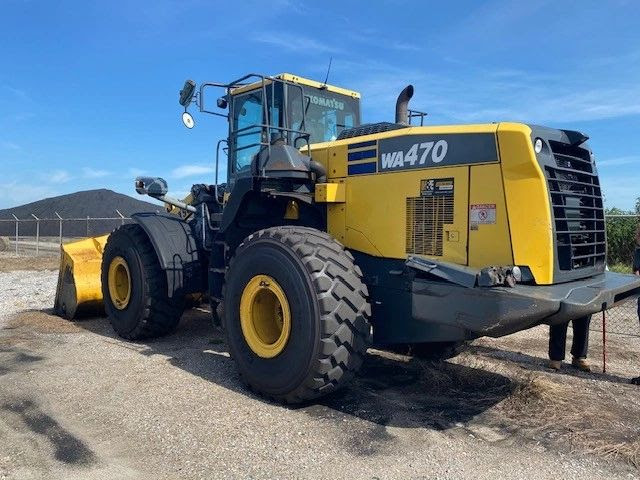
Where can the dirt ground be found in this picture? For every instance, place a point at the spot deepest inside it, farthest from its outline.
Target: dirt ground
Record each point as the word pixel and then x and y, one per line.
pixel 76 401
pixel 10 262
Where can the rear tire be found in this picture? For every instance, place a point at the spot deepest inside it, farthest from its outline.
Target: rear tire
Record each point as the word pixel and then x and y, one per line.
pixel 326 313
pixel 145 310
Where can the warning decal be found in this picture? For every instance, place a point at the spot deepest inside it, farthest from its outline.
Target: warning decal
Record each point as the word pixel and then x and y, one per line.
pixel 483 213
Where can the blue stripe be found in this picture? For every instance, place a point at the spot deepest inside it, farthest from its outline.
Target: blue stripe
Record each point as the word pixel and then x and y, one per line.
pixel 361 155
pixel 370 143
pixel 361 168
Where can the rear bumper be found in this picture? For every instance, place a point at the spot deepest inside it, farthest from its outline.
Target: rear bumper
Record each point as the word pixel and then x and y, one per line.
pixel 498 311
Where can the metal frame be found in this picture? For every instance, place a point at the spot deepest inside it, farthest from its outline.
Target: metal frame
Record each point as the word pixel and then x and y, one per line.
pixel 262 81
pixel 417 114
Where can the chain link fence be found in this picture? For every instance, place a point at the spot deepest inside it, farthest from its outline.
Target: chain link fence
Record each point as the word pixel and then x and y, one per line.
pixel 44 236
pixel 619 320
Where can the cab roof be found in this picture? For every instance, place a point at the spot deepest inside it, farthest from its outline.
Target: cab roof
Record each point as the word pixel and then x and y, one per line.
pixel 289 77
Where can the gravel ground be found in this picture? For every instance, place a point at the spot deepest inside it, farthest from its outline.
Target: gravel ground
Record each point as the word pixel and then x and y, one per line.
pixel 78 402
pixel 22 291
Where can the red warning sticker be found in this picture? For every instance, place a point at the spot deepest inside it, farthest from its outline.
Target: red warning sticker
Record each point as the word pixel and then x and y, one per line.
pixel 483 213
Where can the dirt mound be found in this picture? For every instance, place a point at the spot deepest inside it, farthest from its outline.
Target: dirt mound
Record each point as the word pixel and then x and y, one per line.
pixel 98 204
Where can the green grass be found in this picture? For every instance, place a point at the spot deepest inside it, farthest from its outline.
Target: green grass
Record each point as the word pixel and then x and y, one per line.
pixel 620 268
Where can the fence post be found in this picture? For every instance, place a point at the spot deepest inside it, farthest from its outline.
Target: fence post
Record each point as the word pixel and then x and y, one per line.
pixel 60 229
pixel 121 216
pixel 604 342
pixel 87 225
pixel 37 234
pixel 17 231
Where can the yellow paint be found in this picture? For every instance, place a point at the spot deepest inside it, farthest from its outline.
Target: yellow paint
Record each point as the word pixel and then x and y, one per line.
pixel 336 152
pixel 175 210
pixel 336 218
pixel 119 282
pixel 292 212
pixel 489 244
pixel 265 317
pixel 528 205
pixel 375 220
pixel 330 192
pixel 80 270
pixel 288 77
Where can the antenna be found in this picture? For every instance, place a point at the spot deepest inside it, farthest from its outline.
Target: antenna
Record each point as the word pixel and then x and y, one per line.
pixel 324 84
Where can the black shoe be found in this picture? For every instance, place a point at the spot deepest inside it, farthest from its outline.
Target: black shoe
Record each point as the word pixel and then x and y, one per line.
pixel 635 381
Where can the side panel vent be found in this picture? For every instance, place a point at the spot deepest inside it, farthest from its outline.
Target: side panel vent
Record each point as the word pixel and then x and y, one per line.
pixel 426 217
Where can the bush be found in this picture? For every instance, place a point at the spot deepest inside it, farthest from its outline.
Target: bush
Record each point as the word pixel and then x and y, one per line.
pixel 621 237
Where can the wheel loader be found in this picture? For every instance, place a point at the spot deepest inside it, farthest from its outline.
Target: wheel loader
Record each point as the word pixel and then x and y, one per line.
pixel 329 236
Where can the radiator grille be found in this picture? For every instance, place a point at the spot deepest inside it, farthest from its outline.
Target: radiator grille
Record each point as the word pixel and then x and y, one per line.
pixel 576 203
pixel 426 217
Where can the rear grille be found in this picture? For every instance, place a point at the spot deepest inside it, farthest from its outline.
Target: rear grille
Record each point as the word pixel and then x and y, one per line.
pixel 426 217
pixel 576 204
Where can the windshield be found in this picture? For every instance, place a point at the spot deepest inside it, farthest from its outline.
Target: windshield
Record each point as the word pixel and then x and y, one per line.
pixel 327 113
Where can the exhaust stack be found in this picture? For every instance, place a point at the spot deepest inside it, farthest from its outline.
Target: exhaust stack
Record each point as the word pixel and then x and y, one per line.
pixel 402 105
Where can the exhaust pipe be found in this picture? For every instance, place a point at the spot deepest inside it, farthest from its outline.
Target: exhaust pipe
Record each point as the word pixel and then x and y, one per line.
pixel 402 105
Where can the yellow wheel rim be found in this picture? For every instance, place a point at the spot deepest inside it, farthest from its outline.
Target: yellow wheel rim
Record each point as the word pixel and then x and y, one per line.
pixel 119 283
pixel 265 317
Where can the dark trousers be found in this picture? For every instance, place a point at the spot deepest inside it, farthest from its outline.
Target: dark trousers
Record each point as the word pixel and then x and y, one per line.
pixel 558 339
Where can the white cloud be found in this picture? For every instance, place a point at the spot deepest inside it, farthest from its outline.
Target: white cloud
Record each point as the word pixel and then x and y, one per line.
pixel 136 172
pixel 13 194
pixel 59 176
pixel 620 190
pixel 191 170
pixel 619 161
pixel 88 172
pixel 295 43
pixel 473 94
pixel 10 146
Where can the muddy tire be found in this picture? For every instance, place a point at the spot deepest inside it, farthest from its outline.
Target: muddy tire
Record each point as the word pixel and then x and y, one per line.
pixel 134 287
pixel 322 306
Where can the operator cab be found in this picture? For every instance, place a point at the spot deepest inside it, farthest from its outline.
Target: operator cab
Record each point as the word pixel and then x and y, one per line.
pixel 285 110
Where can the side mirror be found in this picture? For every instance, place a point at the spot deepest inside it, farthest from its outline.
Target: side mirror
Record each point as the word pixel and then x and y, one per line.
pixel 187 120
pixel 186 94
pixel 152 186
pixel 222 103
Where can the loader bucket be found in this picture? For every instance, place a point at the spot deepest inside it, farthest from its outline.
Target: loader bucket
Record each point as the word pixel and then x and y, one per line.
pixel 79 291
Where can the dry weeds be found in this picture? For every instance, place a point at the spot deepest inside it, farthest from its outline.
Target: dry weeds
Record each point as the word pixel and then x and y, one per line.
pixel 591 418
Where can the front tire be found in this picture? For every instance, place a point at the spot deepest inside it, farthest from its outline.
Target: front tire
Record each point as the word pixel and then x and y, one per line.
pixel 296 313
pixel 134 287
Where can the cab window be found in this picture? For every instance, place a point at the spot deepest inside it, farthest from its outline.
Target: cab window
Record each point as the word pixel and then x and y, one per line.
pixel 326 113
pixel 248 131
pixel 247 118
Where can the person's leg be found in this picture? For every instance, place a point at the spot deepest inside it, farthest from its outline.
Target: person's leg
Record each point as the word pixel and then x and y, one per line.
pixel 580 344
pixel 557 344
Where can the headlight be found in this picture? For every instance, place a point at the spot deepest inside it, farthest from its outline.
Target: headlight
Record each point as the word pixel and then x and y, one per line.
pixel 537 145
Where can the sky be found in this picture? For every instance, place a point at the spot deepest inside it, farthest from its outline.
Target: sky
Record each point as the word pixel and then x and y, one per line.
pixel 88 90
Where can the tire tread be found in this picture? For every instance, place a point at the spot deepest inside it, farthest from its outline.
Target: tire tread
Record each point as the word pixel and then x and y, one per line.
pixel 343 307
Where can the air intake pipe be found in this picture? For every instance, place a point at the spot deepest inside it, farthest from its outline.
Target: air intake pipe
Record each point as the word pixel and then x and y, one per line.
pixel 402 105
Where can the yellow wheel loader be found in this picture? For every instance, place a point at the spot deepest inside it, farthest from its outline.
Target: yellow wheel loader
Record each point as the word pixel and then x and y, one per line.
pixel 330 235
